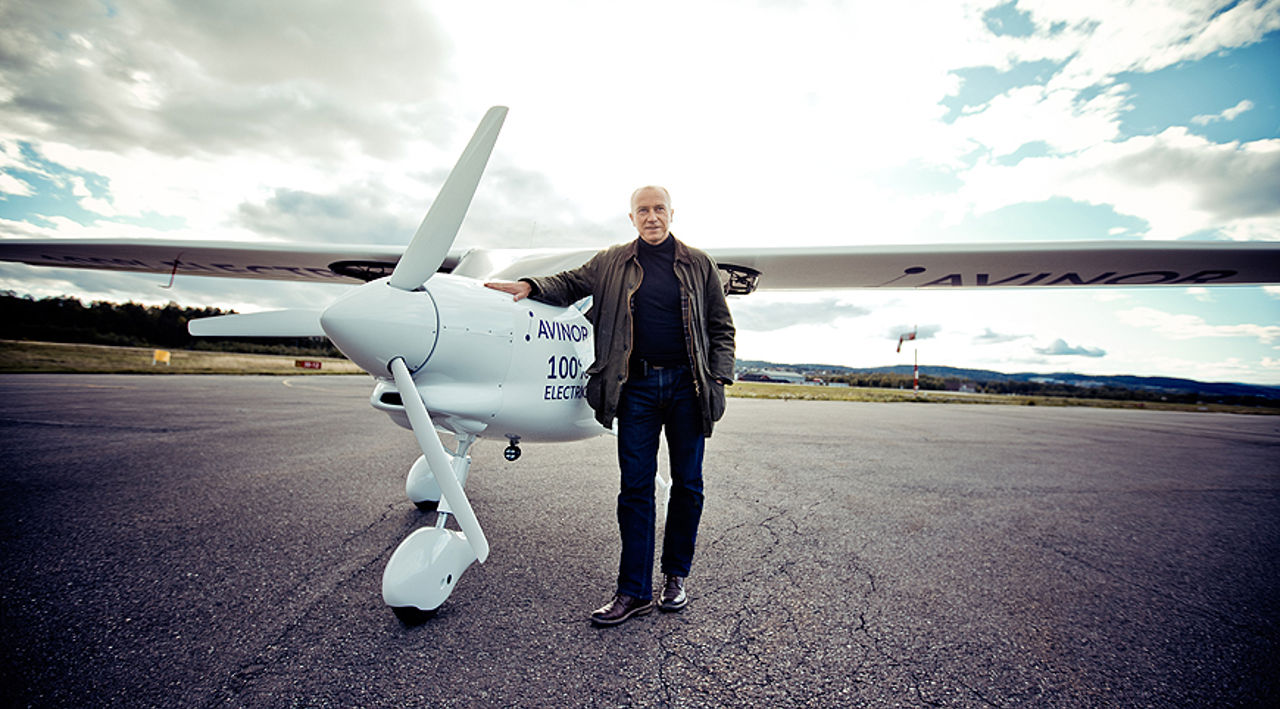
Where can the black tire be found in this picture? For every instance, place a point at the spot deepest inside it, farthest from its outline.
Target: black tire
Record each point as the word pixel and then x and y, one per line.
pixel 410 616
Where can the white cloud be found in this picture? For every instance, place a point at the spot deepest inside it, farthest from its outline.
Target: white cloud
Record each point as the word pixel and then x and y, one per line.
pixel 1145 35
pixel 1226 115
pixel 1039 114
pixel 1180 183
pixel 1201 294
pixel 989 337
pixel 763 315
pixel 1060 348
pixel 1185 327
pixel 14 186
pixel 194 77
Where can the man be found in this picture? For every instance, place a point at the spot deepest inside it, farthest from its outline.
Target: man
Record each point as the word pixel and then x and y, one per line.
pixel 663 354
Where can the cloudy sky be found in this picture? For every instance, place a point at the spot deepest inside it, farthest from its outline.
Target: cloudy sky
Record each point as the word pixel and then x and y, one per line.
pixel 773 122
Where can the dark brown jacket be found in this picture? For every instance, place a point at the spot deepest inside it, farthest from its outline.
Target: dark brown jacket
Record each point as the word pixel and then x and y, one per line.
pixel 611 277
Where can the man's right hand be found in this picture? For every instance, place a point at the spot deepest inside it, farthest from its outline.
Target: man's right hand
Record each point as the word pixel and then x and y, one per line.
pixel 518 289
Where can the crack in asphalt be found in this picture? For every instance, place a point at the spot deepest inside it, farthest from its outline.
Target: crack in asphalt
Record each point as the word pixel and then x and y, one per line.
pixel 1195 608
pixel 744 639
pixel 307 596
pixel 874 644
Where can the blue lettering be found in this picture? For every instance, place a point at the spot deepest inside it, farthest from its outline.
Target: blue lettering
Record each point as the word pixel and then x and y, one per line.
pixel 561 331
pixel 563 392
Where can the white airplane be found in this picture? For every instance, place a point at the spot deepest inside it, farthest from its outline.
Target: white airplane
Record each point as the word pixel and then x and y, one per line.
pixel 448 354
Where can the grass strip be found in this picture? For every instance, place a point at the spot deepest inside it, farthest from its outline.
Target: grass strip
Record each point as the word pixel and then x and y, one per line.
pixel 799 392
pixel 50 357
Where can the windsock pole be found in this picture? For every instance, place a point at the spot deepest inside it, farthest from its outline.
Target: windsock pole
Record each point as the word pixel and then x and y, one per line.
pixel 915 377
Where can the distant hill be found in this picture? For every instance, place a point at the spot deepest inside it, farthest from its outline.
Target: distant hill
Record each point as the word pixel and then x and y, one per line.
pixel 1157 385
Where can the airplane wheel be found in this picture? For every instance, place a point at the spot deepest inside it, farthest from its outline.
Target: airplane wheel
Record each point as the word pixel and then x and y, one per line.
pixel 411 616
pixel 427 505
pixel 511 452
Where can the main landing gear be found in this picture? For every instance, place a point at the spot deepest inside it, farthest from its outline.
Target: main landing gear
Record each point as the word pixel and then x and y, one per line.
pixel 421 485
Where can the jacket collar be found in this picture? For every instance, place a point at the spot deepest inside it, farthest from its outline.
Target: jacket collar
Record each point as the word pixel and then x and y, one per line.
pixel 682 251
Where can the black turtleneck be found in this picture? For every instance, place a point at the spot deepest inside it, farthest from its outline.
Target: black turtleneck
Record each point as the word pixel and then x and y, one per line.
pixel 655 307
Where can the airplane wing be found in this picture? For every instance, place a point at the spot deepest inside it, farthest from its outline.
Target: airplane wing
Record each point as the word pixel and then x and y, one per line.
pixel 1005 265
pixel 343 263
pixel 1080 263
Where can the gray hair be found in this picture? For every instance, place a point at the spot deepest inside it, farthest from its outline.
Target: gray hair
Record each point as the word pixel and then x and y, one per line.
pixel 660 188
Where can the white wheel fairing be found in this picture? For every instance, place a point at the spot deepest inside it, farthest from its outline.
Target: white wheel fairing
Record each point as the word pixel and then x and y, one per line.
pixel 424 569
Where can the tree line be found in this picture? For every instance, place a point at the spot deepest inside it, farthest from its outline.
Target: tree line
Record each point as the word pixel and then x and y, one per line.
pixel 889 380
pixel 66 319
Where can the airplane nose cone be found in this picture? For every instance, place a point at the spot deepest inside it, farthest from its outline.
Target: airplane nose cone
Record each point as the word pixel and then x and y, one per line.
pixel 375 323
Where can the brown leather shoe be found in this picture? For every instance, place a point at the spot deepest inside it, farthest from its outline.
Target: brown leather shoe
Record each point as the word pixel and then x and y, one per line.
pixel 619 609
pixel 673 596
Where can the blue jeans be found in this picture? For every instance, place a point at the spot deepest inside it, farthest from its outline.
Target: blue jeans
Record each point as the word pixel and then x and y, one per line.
pixel 662 398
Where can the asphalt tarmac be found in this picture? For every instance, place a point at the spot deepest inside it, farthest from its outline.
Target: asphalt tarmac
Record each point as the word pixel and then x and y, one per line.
pixel 219 541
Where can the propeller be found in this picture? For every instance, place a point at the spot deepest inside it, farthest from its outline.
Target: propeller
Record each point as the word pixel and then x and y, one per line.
pixel 435 235
pixel 271 323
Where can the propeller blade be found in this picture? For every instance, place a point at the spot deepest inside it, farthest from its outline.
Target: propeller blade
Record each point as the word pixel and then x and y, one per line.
pixel 435 235
pixel 438 459
pixel 272 323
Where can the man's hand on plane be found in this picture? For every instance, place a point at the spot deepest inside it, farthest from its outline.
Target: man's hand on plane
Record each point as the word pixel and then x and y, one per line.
pixel 518 289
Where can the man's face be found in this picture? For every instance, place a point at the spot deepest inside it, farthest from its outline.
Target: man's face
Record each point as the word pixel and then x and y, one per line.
pixel 651 215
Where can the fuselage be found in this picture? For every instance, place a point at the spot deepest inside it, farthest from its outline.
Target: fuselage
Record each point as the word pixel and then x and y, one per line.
pixel 483 364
